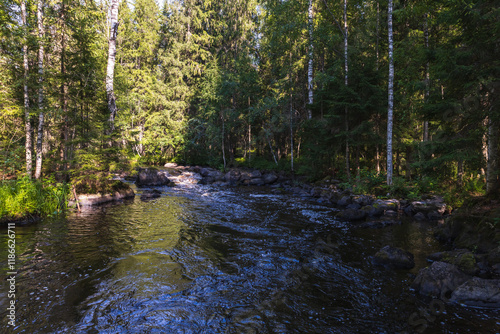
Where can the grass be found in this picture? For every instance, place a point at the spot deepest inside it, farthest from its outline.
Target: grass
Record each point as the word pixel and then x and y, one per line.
pixel 24 198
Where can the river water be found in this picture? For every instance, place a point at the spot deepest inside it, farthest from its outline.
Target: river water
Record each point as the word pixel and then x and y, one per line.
pixel 203 259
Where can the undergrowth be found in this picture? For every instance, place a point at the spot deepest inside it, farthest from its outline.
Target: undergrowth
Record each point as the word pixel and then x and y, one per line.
pixel 25 197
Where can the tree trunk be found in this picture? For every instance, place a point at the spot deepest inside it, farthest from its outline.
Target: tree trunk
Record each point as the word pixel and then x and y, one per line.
pixel 110 71
pixel 39 140
pixel 310 67
pixel 427 78
pixel 29 140
pixel 390 97
pixel 346 82
pixel 64 93
pixel 492 167
pixel 291 131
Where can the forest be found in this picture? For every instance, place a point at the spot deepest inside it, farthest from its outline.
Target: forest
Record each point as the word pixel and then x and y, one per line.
pixel 374 93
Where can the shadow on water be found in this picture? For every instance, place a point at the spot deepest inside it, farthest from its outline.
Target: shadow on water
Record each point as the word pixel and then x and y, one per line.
pixel 206 260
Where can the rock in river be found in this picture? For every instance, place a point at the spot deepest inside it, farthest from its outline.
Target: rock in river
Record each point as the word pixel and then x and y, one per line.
pixel 439 280
pixel 152 177
pixel 394 257
pixel 478 292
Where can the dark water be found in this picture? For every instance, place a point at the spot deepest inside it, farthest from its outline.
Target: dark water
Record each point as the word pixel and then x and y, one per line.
pixel 208 260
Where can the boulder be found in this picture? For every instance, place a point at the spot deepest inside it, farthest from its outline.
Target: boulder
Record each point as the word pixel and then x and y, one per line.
pixel 270 178
pixel 478 292
pixel 420 216
pixel 148 177
pixel 390 214
pixel 439 280
pixel 362 200
pixel 150 194
pixel 386 204
pixel 255 174
pixel 435 204
pixel 216 175
pixel 379 223
pixel 344 201
pixel 351 214
pixel 394 257
pixel 256 182
pixel 97 199
pixel 354 206
pixel 372 211
pixel 232 176
pixel 462 258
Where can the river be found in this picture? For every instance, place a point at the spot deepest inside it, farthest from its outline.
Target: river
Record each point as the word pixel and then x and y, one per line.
pixel 203 259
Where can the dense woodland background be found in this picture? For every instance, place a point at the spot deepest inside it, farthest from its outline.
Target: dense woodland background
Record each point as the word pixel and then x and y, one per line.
pixel 292 85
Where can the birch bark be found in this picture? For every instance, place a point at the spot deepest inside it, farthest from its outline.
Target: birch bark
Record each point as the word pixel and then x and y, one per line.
pixel 39 140
pixel 28 130
pixel 110 70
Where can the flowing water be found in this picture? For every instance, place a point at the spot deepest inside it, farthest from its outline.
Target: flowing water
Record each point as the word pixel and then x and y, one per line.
pixel 202 259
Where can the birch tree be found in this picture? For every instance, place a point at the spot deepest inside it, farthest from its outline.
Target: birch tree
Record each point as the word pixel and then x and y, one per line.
pixel 39 140
pixel 310 66
pixel 110 70
pixel 29 140
pixel 391 95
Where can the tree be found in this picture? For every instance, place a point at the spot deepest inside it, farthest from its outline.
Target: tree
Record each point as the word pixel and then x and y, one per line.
pixel 39 140
pixel 311 58
pixel 110 70
pixel 28 131
pixel 390 106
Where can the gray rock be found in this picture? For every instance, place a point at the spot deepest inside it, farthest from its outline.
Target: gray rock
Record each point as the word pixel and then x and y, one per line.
pixel 255 174
pixel 372 211
pixel 232 176
pixel 270 178
pixel 434 215
pixel 390 214
pixel 354 206
pixel 394 257
pixel 386 204
pixel 464 259
pixel 436 204
pixel 439 280
pixel 420 216
pixel 478 292
pixel 362 200
pixel 151 177
pixel 256 182
pixel 351 214
pixel 344 201
pixel 150 194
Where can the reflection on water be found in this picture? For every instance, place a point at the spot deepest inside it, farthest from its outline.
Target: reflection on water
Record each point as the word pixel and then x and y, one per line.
pixel 205 260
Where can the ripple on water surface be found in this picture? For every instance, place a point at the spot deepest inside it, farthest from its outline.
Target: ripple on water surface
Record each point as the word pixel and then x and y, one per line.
pixel 209 260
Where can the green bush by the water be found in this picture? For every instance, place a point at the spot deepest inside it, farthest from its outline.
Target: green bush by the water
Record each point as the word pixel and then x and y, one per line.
pixel 25 197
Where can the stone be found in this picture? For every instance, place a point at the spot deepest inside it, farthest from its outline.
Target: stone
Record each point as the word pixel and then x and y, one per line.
pixel 354 206
pixel 256 182
pixel 255 174
pixel 420 216
pixel 439 280
pixel 150 194
pixel 270 178
pixel 344 201
pixel 435 204
pixel 150 177
pixel 372 211
pixel 351 214
pixel 386 204
pixel 390 214
pixel 362 200
pixel 394 257
pixel 478 292
pixel 232 176
pixel 434 215
pixel 97 199
pixel 462 258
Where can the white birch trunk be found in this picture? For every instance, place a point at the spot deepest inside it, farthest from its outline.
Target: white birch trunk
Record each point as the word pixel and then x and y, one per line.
pixel 427 78
pixel 29 140
pixel 110 71
pixel 291 131
pixel 310 67
pixel 39 140
pixel 390 97
pixel 492 167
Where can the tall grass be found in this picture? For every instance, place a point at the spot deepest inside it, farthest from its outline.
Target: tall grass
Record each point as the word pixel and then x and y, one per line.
pixel 25 197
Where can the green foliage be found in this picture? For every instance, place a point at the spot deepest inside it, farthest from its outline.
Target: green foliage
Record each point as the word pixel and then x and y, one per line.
pixel 25 197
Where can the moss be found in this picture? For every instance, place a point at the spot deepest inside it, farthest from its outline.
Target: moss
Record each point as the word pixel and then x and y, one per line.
pixel 467 263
